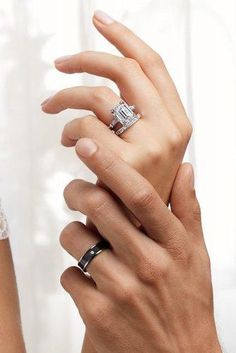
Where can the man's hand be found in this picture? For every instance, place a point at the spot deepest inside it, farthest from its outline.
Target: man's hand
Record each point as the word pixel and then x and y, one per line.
pixel 151 292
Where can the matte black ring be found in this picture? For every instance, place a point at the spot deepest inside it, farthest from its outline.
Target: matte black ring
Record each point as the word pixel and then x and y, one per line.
pixel 90 254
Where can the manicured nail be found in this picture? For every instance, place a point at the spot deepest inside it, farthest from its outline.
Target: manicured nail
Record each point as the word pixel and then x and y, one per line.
pixel 63 59
pixel 103 17
pixel 86 147
pixel 46 100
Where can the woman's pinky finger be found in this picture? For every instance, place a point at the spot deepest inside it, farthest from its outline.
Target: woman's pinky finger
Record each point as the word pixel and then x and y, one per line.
pixel 100 100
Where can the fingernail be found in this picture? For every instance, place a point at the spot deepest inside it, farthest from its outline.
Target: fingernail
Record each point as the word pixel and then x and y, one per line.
pixel 46 100
pixel 86 147
pixel 103 17
pixel 63 59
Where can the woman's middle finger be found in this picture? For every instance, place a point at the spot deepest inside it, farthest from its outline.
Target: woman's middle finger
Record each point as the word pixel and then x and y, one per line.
pixel 133 84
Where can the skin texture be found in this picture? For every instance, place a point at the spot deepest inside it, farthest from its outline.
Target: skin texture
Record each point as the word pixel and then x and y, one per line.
pixel 156 144
pixel 151 292
pixel 11 339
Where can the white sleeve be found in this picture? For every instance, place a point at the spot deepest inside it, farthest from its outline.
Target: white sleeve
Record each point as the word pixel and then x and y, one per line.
pixel 4 231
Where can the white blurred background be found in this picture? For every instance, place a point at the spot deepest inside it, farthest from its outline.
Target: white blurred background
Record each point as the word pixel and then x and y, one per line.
pixel 197 39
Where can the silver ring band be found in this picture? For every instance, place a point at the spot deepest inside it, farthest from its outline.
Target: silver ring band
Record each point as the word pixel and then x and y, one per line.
pixel 123 117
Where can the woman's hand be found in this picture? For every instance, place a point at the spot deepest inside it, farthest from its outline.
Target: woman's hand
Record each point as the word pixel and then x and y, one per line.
pixel 152 290
pixel 155 145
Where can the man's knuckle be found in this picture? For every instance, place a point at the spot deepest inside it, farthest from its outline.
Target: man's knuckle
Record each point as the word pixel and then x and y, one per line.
pixel 147 273
pixel 150 271
pixel 126 292
pixel 200 256
pixel 177 247
pixel 196 211
pixel 144 198
pixel 97 204
pixel 66 277
pixel 67 234
pixel 70 188
pixel 99 315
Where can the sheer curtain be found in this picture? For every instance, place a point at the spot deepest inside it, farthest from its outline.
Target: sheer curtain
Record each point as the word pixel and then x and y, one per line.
pixel 197 40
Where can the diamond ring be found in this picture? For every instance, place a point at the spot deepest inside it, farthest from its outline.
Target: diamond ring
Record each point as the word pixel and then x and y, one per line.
pixel 124 117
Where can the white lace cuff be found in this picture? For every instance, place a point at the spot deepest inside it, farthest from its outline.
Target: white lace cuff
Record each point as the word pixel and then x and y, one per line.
pixel 4 231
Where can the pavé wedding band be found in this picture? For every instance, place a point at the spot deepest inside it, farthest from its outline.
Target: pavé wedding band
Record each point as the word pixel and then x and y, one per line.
pixel 96 249
pixel 124 117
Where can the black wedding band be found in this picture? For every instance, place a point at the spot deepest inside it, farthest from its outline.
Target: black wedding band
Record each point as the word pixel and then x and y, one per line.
pixel 90 254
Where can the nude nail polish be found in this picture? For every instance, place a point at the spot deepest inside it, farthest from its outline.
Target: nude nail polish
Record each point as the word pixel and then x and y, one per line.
pixel 46 101
pixel 103 17
pixel 86 147
pixel 63 59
